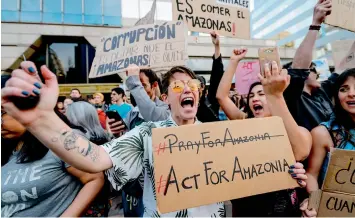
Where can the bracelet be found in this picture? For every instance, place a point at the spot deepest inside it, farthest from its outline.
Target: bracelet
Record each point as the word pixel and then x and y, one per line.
pixel 314 27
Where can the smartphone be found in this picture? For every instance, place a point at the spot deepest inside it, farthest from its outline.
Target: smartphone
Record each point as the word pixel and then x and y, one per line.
pixel 267 55
pixel 114 115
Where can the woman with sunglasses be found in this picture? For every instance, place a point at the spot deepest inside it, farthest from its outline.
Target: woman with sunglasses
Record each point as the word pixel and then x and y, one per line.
pixel 124 158
pixel 35 182
pixel 338 132
pixel 265 99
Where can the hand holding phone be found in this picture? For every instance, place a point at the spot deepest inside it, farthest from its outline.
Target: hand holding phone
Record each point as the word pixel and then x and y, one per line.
pixel 266 56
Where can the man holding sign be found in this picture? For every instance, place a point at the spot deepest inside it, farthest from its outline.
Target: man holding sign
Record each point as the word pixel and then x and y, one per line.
pixel 125 158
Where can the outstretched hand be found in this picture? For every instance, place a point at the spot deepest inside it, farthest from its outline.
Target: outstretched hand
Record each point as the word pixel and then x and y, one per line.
pixel 321 10
pixel 25 82
pixel 275 81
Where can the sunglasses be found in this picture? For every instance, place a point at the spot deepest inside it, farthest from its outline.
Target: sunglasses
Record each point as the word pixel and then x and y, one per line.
pixel 178 86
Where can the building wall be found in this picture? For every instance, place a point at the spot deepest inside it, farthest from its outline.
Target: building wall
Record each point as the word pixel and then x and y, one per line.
pixel 18 37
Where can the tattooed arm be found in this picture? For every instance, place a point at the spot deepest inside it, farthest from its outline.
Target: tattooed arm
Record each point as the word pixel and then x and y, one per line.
pixel 69 146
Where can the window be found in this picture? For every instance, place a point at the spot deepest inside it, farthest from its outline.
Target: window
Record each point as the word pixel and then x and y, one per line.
pixel 93 12
pixel 31 11
pixel 9 10
pixel 52 11
pixel 73 11
pixel 112 12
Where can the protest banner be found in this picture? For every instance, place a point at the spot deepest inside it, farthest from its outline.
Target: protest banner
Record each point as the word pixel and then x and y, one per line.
pixel 212 162
pixel 342 14
pixel 322 68
pixel 340 50
pixel 207 15
pixel 348 60
pixel 240 3
pixel 337 197
pixel 246 74
pixel 150 46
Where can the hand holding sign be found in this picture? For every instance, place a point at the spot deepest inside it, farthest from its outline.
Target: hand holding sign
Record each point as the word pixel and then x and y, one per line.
pixel 321 10
pixel 275 81
pixel 238 54
pixel 132 70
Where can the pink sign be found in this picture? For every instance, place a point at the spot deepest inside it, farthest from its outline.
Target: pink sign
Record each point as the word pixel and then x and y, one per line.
pixel 246 74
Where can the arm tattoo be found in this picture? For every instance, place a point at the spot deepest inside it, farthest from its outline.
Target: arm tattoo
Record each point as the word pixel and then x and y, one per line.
pixel 70 139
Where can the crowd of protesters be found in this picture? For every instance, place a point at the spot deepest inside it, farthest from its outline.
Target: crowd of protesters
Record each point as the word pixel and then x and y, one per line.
pixel 71 160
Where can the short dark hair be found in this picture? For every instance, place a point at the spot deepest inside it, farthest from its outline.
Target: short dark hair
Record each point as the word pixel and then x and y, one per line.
pixel 202 80
pixel 90 97
pixel 76 90
pixel 119 91
pixel 152 77
pixel 171 72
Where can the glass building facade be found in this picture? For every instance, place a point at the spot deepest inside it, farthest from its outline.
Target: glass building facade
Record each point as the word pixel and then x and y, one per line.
pixel 75 12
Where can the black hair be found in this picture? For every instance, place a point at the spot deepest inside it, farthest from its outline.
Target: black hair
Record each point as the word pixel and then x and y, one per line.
pixel 89 97
pixel 32 149
pixel 76 90
pixel 248 111
pixel 171 72
pixel 152 77
pixel 202 80
pixel 119 91
pixel 342 117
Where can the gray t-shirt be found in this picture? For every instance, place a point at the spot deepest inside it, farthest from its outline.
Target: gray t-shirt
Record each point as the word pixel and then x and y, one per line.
pixel 39 188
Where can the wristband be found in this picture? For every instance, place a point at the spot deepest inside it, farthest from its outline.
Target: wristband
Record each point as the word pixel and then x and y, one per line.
pixel 314 27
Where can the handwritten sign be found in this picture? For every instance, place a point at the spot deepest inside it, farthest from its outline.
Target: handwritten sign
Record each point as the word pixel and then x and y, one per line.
pixel 212 162
pixel 207 15
pixel 151 46
pixel 340 50
pixel 342 14
pixel 246 74
pixel 240 3
pixel 348 60
pixel 337 199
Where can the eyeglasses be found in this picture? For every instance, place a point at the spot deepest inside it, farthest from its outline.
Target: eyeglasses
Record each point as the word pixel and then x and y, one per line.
pixel 178 86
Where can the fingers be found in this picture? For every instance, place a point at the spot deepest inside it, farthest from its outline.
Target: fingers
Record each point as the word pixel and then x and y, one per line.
pixel 27 77
pixel 118 129
pixel 26 88
pixel 213 34
pixel 114 124
pixel 13 91
pixel 267 72
pixel 310 212
pixel 30 68
pixel 304 204
pixel 50 78
pixel 298 165
pixel 274 68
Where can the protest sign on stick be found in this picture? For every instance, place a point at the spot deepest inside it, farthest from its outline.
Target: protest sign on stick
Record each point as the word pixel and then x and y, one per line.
pixel 246 74
pixel 148 46
pixel 208 15
pixel 342 14
pixel 202 164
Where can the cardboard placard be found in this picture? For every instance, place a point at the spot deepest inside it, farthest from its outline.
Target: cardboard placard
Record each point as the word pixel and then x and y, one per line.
pixel 246 74
pixel 341 172
pixel 239 3
pixel 207 15
pixel 342 14
pixel 202 164
pixel 337 197
pixel 344 58
pixel 150 46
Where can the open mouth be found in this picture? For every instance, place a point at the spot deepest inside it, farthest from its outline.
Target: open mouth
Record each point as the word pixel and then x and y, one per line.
pixel 257 108
pixel 187 102
pixel 351 103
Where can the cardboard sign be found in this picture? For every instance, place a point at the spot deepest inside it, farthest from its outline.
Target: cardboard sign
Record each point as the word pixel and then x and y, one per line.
pixel 240 3
pixel 341 172
pixel 340 50
pixel 246 74
pixel 322 68
pixel 342 14
pixel 207 15
pixel 337 197
pixel 349 59
pixel 151 46
pixel 212 162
